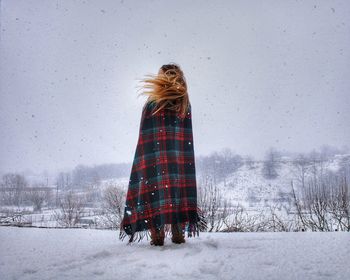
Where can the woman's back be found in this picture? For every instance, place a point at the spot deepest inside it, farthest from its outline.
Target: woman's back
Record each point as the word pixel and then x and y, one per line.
pixel 162 187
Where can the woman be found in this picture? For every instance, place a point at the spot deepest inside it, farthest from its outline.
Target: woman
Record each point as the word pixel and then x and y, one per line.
pixel 162 191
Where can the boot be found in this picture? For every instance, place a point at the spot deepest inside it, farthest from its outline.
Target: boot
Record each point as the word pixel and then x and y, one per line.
pixel 177 236
pixel 157 237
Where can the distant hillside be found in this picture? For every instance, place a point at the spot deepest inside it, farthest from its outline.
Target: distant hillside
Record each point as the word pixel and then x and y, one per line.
pixel 248 185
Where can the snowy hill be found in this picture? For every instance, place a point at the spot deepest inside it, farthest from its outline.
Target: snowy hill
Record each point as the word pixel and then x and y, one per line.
pixel 33 253
pixel 248 186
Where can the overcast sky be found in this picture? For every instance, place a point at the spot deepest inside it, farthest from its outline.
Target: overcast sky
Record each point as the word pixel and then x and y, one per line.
pixel 259 74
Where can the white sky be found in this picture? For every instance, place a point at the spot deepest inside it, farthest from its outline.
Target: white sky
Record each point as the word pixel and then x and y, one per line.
pixel 259 73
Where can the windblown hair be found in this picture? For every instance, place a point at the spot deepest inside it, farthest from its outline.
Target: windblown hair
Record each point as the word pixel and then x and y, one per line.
pixel 168 89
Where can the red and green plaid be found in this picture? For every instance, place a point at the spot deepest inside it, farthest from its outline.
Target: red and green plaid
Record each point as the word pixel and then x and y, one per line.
pixel 162 187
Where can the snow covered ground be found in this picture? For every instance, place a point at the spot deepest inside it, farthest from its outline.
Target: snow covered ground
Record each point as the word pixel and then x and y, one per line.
pixel 36 253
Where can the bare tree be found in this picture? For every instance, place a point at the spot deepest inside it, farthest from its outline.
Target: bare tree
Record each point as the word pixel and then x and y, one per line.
pixel 344 164
pixel 276 222
pixel 271 164
pixel 249 161
pixel 301 220
pixel 113 205
pixel 13 185
pixel 219 165
pixel 214 208
pixel 64 181
pixel 316 202
pixel 240 221
pixel 84 176
pixel 229 163
pixel 210 201
pixel 301 163
pixel 38 194
pixel 339 203
pixel 70 209
pixel 325 203
pixel 224 212
pixel 317 161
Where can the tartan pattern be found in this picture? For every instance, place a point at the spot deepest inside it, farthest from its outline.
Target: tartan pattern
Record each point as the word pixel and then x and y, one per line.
pixel 162 187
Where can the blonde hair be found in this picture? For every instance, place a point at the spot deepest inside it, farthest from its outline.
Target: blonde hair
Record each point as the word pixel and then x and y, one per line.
pixel 168 89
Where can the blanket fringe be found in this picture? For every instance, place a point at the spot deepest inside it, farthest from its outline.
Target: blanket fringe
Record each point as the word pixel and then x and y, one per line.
pixel 192 231
pixel 192 228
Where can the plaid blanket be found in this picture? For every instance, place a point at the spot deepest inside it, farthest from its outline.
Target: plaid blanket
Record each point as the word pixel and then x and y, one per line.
pixel 162 187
